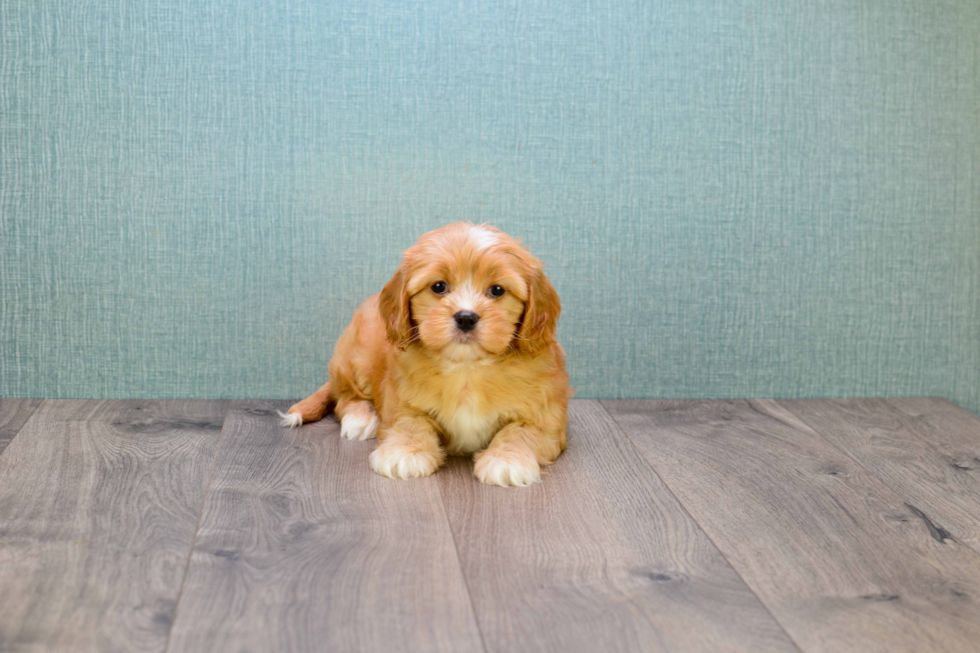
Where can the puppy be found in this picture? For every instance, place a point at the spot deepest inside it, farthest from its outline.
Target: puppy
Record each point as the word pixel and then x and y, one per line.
pixel 456 355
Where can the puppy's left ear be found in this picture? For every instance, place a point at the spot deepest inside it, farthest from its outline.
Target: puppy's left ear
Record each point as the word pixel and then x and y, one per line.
pixel 395 311
pixel 541 312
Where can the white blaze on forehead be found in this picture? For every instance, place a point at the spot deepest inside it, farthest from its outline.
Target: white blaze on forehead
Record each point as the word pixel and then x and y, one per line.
pixel 467 296
pixel 482 237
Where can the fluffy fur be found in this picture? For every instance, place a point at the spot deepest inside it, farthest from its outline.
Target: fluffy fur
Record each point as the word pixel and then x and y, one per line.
pixel 404 370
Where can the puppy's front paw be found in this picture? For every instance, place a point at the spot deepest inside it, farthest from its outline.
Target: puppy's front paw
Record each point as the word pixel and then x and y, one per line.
pixel 507 465
pixel 396 458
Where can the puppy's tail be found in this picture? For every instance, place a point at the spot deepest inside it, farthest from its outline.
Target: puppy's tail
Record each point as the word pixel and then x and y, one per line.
pixel 310 409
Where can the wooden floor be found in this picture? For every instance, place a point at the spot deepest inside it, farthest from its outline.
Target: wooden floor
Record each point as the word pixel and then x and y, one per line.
pixel 846 525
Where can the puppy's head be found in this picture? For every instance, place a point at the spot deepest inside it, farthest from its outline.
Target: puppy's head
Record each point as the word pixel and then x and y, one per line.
pixel 470 292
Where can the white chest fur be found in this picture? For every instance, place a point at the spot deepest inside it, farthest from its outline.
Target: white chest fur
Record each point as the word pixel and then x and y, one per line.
pixel 468 430
pixel 455 398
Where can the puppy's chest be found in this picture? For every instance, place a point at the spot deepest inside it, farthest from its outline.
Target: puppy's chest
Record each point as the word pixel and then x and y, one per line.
pixel 467 419
pixel 468 429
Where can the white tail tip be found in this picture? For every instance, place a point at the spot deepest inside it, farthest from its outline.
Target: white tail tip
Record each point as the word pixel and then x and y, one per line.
pixel 290 420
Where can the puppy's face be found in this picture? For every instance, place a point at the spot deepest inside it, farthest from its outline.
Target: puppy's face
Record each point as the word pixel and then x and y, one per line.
pixel 470 292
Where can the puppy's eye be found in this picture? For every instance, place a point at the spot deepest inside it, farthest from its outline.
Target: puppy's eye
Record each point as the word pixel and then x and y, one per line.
pixel 496 291
pixel 440 287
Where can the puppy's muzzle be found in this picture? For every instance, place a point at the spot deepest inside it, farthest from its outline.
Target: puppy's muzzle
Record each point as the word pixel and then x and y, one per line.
pixel 466 320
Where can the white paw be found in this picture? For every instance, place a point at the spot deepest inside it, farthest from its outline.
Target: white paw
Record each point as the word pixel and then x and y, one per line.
pixel 506 467
pixel 290 420
pixel 359 425
pixel 396 459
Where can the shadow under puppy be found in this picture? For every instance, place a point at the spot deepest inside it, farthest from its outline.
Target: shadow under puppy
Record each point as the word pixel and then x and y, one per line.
pixel 456 355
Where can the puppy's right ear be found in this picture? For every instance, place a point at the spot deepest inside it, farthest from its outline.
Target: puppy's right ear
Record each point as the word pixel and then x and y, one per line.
pixel 395 311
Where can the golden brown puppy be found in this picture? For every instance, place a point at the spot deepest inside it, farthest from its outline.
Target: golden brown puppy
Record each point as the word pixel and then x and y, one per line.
pixel 456 355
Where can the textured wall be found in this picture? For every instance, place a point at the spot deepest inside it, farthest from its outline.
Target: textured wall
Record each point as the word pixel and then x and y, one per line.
pixel 734 199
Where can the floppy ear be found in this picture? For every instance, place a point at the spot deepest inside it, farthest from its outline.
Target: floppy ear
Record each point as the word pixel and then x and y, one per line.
pixel 395 311
pixel 541 312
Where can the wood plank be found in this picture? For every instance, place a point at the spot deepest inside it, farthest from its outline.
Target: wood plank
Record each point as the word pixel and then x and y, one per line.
pixel 926 449
pixel 302 548
pixel 99 501
pixel 834 553
pixel 13 414
pixel 597 557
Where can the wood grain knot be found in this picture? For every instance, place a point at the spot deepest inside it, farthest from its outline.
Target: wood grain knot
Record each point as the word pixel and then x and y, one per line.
pixel 880 597
pixel 167 425
pixel 662 576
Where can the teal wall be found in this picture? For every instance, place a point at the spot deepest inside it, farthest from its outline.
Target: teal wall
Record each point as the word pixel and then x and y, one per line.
pixel 733 198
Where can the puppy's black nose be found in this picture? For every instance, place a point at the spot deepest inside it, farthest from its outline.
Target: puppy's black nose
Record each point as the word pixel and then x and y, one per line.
pixel 466 320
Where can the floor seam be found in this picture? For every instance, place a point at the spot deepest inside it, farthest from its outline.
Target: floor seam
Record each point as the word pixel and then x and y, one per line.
pixel 698 524
pixel 197 528
pixel 462 573
pixel 34 409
